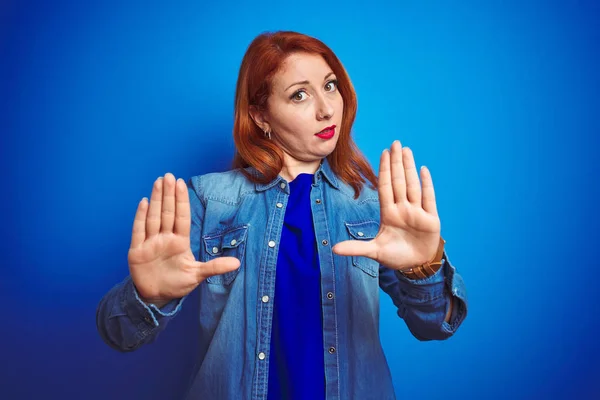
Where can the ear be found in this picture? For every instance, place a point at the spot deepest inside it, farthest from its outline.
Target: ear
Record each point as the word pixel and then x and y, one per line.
pixel 259 118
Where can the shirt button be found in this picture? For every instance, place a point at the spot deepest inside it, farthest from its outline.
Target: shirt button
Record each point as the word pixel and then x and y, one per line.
pixel 331 350
pixel 360 234
pixel 271 244
pixel 261 356
pixel 282 185
pixel 318 201
pixel 279 205
pixel 330 295
pixel 233 242
pixel 215 250
pixel 324 242
pixel 265 299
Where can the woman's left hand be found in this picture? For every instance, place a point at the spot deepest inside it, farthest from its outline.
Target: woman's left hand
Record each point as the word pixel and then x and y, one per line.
pixel 409 230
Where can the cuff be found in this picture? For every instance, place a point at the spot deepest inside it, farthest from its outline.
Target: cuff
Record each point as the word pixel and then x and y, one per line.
pixel 168 310
pixel 456 286
pixel 146 316
pixel 426 289
pixel 458 314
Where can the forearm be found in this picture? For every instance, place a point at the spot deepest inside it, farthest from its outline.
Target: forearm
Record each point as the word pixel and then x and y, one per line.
pixel 425 309
pixel 434 307
pixel 125 323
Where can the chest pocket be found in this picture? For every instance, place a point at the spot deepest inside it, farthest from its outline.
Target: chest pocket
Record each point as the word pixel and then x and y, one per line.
pixel 230 243
pixel 364 231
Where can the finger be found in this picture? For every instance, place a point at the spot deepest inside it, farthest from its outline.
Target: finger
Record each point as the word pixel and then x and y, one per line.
pixel 356 248
pixel 217 266
pixel 413 186
pixel 429 204
pixel 138 234
pixel 398 180
pixel 167 216
pixel 182 209
pixel 384 182
pixel 153 218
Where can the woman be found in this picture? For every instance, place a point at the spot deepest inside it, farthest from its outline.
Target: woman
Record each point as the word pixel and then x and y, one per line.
pixel 289 249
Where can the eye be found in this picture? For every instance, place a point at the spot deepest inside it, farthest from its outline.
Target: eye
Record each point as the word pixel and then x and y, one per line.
pixel 298 96
pixel 331 85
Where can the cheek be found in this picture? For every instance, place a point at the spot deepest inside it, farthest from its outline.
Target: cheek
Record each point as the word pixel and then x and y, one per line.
pixel 294 120
pixel 340 104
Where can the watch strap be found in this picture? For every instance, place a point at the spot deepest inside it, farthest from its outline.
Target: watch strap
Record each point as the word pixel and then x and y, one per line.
pixel 429 268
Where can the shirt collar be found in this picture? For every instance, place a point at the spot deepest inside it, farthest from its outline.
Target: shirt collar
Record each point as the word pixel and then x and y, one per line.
pixel 324 170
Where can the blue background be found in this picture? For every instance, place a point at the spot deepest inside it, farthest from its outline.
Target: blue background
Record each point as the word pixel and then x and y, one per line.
pixel 499 99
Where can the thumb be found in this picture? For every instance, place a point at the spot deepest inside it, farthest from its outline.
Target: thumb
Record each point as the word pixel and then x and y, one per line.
pixel 356 248
pixel 216 266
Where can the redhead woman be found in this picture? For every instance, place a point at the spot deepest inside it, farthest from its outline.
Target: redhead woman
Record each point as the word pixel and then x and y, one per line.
pixel 288 250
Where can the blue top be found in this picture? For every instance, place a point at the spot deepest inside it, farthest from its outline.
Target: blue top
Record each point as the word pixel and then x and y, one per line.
pixel 296 359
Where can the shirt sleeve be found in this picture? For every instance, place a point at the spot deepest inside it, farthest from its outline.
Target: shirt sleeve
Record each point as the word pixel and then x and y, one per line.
pixel 423 303
pixel 126 323
pixel 123 320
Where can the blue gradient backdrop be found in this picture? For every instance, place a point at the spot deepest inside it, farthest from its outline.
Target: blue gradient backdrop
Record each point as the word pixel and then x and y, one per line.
pixel 499 99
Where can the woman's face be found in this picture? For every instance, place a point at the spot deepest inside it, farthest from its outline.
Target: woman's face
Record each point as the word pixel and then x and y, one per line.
pixel 303 104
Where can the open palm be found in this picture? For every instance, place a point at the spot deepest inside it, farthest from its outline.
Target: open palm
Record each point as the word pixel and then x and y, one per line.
pixel 409 231
pixel 161 262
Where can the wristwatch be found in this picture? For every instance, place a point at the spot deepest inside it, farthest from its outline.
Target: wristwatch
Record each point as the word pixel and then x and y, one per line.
pixel 426 270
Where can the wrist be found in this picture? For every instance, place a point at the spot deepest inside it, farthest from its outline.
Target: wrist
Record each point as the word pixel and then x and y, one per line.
pixel 159 303
pixel 156 301
pixel 429 268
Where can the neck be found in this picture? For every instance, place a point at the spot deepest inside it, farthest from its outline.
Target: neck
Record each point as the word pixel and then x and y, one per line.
pixel 292 168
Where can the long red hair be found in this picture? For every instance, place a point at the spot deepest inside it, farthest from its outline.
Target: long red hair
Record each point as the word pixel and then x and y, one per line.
pixel 262 60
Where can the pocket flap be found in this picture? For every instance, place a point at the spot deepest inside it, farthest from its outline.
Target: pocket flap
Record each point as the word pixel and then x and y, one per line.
pixel 230 239
pixel 363 230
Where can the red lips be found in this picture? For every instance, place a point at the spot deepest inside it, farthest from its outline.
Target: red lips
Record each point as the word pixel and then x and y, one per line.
pixel 327 133
pixel 326 129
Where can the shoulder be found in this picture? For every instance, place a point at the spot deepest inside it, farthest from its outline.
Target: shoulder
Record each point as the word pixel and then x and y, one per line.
pixel 228 186
pixel 367 193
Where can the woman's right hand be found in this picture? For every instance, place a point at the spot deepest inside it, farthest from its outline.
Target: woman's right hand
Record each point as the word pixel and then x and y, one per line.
pixel 161 262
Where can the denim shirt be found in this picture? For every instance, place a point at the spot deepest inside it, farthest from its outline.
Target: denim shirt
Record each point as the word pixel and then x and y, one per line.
pixel 231 216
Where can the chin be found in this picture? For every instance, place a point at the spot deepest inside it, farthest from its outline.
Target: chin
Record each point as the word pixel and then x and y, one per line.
pixel 324 152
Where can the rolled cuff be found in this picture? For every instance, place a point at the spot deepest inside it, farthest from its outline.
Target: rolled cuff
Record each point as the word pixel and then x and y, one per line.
pixel 151 313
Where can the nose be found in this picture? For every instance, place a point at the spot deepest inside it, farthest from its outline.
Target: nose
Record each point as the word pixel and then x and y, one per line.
pixel 325 110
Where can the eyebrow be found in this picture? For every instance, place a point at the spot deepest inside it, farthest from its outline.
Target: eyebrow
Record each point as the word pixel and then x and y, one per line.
pixel 306 82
